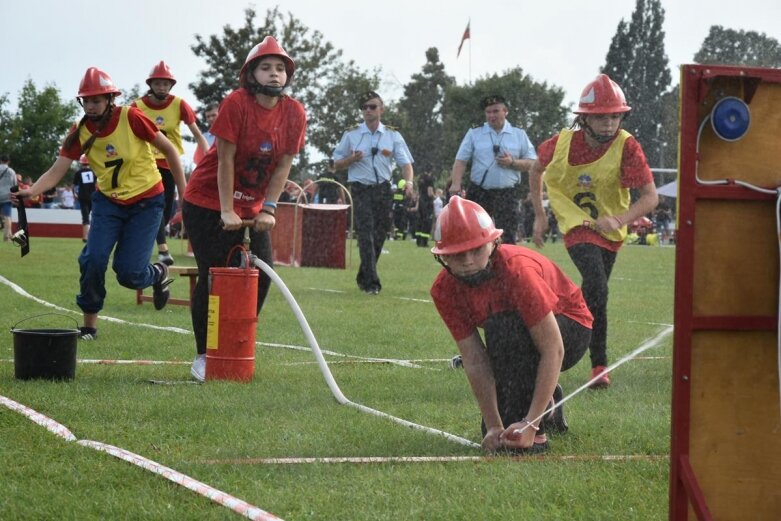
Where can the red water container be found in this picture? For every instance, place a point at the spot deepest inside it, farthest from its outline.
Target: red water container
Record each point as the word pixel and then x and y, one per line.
pixel 232 323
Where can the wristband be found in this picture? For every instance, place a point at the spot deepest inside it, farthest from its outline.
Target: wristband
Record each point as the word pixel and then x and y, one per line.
pixel 530 424
pixel 272 214
pixel 271 204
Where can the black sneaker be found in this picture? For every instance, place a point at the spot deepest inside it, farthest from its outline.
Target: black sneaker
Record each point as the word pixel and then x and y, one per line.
pixel 88 333
pixel 165 258
pixel 555 422
pixel 456 362
pixel 160 291
pixel 537 448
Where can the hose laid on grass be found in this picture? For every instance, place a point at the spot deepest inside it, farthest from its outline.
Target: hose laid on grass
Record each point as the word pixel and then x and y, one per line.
pixel 324 369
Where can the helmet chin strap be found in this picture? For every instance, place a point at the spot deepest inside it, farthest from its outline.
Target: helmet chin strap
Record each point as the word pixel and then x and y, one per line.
pixel 159 97
pixel 599 138
pixel 267 90
pixel 477 278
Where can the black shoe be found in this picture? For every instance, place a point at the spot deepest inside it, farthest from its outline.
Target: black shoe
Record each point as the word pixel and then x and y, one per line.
pixel 160 291
pixel 537 448
pixel 456 362
pixel 555 422
pixel 88 333
pixel 165 258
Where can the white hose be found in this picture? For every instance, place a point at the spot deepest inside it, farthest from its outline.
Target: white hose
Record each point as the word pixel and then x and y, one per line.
pixel 326 371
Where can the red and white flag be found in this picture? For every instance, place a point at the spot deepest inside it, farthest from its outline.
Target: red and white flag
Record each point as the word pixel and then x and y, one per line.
pixel 466 36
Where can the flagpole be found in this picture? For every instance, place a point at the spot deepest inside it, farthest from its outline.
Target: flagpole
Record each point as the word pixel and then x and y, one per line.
pixel 470 51
pixel 467 36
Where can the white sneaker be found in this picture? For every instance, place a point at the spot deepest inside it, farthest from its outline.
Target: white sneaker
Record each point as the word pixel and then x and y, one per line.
pixel 198 369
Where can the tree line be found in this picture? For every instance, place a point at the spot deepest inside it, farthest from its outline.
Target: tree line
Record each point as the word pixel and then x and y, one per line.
pixel 434 111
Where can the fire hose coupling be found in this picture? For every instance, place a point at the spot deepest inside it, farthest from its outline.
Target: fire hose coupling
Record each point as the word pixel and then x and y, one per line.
pixel 20 238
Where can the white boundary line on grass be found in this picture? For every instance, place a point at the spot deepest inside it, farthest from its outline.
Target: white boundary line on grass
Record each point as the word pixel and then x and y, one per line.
pixel 237 505
pixel 18 289
pixel 435 459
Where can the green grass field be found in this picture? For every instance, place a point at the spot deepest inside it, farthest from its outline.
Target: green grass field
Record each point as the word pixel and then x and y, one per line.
pixel 219 432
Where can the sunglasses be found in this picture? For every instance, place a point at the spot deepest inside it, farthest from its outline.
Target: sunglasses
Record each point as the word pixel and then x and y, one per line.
pixel 369 106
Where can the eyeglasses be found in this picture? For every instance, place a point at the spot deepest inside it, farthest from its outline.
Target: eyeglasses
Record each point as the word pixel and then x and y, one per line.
pixel 369 106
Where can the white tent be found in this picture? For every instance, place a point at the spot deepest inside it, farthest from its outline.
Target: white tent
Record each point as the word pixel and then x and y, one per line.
pixel 668 190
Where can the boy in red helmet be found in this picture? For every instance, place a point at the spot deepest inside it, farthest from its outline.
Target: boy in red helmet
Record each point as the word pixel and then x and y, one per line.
pixel 259 132
pixel 535 321
pixel 168 112
pixel 128 203
pixel 588 173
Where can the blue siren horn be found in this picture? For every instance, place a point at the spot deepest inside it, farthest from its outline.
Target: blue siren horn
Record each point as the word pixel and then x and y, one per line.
pixel 730 118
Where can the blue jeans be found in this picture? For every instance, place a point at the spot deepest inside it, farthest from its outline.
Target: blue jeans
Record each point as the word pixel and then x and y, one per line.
pixel 132 229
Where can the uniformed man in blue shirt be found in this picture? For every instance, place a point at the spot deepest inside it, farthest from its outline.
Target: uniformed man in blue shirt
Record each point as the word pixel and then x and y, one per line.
pixel 368 152
pixel 499 152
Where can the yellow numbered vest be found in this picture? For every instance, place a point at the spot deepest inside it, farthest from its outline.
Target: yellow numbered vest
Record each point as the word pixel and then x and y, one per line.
pixel 123 163
pixel 167 121
pixel 584 193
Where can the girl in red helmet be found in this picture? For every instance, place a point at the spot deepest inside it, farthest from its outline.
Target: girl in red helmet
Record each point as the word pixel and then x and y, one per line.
pixel 168 112
pixel 588 172
pixel 535 320
pixel 259 132
pixel 128 203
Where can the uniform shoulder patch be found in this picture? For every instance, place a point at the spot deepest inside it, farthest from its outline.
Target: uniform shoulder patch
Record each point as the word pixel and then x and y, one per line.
pixel 391 127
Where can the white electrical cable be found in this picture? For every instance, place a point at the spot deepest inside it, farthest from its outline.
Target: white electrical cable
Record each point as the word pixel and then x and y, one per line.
pixel 340 397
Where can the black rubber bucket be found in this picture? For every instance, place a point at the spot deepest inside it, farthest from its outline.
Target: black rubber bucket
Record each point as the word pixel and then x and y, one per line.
pixel 44 353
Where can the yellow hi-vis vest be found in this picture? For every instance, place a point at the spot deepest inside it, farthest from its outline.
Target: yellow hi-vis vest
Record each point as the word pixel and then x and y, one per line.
pixel 167 121
pixel 123 163
pixel 583 193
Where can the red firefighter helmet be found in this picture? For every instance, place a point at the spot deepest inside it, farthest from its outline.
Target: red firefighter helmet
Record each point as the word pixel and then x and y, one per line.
pixel 463 225
pixel 161 71
pixel 97 82
pixel 83 160
pixel 602 96
pixel 269 47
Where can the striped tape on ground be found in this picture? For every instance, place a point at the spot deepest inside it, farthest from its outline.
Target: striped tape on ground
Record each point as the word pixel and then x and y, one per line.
pixel 44 421
pixel 434 459
pixel 237 505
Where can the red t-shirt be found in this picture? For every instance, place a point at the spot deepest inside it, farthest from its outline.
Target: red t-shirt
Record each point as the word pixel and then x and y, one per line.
pixel 524 281
pixel 635 173
pixel 262 137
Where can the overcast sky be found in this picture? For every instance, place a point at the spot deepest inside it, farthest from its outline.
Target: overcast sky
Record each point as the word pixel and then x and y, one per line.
pixel 560 42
